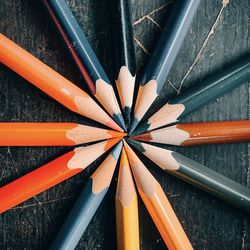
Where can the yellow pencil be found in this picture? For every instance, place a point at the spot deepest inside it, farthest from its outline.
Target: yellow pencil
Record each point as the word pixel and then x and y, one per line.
pixel 126 203
pixel 158 205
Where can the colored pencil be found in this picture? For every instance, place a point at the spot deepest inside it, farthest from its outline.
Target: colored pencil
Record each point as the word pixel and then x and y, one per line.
pixel 50 82
pixel 157 204
pixel 126 204
pixel 51 134
pixel 160 64
pixel 51 174
pixel 84 56
pixel 124 67
pixel 197 174
pixel 87 203
pixel 199 133
pixel 199 95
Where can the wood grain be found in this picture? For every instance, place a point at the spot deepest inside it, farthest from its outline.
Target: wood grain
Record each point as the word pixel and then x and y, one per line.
pixel 211 223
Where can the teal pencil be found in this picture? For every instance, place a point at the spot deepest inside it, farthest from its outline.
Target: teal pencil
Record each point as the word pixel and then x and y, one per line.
pixel 87 203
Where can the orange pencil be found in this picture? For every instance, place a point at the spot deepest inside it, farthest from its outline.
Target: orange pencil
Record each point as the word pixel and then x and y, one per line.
pixel 51 134
pixel 199 133
pixel 158 205
pixel 126 203
pixel 52 83
pixel 51 174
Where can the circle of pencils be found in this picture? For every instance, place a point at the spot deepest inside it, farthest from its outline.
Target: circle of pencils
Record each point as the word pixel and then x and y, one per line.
pixel 162 127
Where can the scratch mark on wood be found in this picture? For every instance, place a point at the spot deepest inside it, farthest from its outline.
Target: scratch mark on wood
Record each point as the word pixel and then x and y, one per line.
pixel 211 32
pixel 172 195
pixel 154 22
pixel 147 16
pixel 41 203
pixel 172 85
pixel 44 208
pixel 139 43
pixel 243 237
pixel 37 200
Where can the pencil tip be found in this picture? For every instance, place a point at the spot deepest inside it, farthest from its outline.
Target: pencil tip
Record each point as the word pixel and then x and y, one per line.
pixel 119 119
pixel 111 142
pixel 136 144
pixel 127 114
pixel 117 150
pixel 141 129
pixel 115 134
pixel 112 124
pixel 133 125
pixel 142 137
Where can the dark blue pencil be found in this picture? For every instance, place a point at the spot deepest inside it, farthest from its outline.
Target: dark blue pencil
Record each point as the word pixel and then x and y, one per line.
pixel 87 203
pixel 124 66
pixel 191 99
pixel 161 62
pixel 84 56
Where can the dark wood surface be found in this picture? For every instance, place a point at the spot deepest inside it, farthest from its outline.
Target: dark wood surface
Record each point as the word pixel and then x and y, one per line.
pixel 209 222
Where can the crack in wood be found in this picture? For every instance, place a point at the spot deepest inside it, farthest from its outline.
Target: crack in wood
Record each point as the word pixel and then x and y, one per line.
pixel 172 85
pixel 41 203
pixel 139 20
pixel 154 22
pixel 211 32
pixel 140 44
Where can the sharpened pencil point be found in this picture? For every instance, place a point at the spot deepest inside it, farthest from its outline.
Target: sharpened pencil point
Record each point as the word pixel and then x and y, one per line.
pixel 115 134
pixel 141 129
pixel 120 121
pixel 142 137
pixel 135 144
pixel 127 114
pixel 133 126
pixel 111 142
pixel 117 150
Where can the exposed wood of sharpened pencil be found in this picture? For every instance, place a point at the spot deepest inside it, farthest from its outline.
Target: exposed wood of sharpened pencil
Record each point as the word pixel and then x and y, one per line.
pixel 199 95
pixel 199 133
pixel 51 174
pixel 87 203
pixel 197 175
pixel 84 56
pixel 161 62
pixel 124 67
pixel 50 82
pixel 157 205
pixel 126 203
pixel 51 134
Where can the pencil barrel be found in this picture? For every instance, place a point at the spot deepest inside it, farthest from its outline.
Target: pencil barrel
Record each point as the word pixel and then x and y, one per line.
pixel 166 220
pixel 170 42
pixel 213 87
pixel 78 218
pixel 76 42
pixel 36 182
pixel 35 134
pixel 216 132
pixel 212 182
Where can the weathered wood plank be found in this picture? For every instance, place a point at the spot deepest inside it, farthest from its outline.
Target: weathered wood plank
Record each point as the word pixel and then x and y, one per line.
pixel 209 222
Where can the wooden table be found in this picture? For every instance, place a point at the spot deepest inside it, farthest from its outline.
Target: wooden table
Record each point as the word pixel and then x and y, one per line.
pixel 217 37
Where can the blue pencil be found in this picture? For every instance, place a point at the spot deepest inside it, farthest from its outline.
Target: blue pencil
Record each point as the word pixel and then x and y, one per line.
pixel 84 56
pixel 87 203
pixel 162 60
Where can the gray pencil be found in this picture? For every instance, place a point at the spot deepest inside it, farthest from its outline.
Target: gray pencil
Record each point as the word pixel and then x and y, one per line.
pixel 87 203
